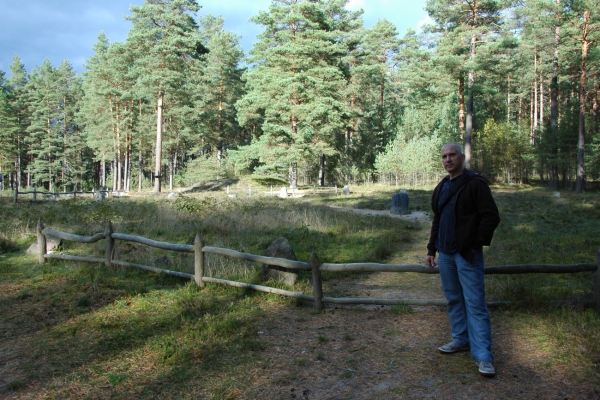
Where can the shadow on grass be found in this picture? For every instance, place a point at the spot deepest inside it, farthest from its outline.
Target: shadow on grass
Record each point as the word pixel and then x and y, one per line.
pixel 210 186
pixel 52 336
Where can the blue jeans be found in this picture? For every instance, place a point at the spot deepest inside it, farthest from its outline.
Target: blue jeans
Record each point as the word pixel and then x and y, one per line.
pixel 464 288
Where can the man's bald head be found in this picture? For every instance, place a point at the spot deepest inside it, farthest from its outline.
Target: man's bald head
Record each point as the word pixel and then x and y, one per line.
pixel 456 146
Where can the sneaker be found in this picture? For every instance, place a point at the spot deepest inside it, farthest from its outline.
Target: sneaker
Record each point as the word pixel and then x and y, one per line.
pixel 453 347
pixel 486 368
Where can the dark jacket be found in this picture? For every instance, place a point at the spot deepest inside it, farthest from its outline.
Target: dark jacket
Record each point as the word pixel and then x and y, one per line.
pixel 475 212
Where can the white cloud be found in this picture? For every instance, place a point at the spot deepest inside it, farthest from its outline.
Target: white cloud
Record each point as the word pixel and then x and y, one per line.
pixel 425 21
pixel 356 4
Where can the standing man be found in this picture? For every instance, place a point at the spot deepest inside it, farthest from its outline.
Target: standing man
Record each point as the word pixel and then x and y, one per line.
pixel 465 217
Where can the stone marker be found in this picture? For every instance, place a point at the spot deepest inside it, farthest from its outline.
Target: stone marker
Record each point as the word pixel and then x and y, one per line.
pixel 280 248
pixel 399 203
pixel 99 196
pixel 172 195
pixel 52 243
pixel 556 194
pixel 346 190
pixel 283 193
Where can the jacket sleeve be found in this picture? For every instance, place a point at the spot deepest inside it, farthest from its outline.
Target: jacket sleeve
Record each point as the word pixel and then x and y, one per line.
pixel 488 214
pixel 435 225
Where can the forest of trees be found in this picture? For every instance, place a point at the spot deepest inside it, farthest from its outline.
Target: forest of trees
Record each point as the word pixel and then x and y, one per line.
pixel 320 99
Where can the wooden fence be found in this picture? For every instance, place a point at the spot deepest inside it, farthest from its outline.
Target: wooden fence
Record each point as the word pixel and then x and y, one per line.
pixel 56 195
pixel 315 266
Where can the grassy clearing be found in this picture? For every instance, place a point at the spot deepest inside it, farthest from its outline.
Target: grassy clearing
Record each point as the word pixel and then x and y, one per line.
pixel 74 330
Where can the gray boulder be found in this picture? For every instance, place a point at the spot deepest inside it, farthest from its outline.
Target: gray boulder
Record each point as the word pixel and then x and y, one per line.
pixel 99 196
pixel 52 243
pixel 280 248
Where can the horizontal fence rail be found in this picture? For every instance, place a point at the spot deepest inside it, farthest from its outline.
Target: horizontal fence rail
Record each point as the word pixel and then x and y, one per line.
pixel 55 195
pixel 315 266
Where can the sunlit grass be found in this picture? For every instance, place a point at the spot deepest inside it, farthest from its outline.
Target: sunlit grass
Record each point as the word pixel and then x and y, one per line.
pixel 134 333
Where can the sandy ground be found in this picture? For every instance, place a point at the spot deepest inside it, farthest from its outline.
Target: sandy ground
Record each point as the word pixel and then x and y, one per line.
pixel 417 216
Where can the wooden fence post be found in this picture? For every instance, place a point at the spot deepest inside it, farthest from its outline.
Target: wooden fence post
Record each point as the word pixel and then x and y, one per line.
pixel 41 239
pixel 317 283
pixel 596 280
pixel 199 260
pixel 34 194
pixel 16 193
pixel 336 190
pixel 110 245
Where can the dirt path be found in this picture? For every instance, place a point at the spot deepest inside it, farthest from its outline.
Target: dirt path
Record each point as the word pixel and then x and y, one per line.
pixel 380 352
pixel 415 216
pixel 371 354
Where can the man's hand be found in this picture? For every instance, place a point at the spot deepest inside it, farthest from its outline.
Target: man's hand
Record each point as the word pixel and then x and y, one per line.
pixel 430 261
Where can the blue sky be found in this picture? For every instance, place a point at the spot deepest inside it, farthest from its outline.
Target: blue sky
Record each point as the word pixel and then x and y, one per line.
pixel 67 29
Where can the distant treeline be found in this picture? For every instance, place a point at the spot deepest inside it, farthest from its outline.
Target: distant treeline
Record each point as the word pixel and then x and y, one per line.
pixel 320 99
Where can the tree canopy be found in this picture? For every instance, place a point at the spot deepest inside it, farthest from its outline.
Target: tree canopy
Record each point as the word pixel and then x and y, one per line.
pixel 320 98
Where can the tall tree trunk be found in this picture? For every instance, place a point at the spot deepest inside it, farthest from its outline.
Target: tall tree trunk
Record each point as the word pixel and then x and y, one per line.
pixel 554 108
pixel 294 166
pixel 508 100
pixel 19 164
pixel 469 127
pixel 113 165
pixel 126 169
pixel 103 180
pixel 64 149
pixel 532 117
pixel 159 123
pixel 461 108
pixel 582 106
pixel 382 93
pixel 322 170
pixel 595 105
pixel 140 157
pixel 541 124
pixel 119 171
pixel 535 98
pixel 171 169
pixel 140 168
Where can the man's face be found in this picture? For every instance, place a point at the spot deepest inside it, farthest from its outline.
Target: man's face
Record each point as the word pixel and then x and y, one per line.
pixel 452 160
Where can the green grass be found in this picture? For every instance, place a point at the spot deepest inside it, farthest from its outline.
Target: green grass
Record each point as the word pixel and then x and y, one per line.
pixel 138 334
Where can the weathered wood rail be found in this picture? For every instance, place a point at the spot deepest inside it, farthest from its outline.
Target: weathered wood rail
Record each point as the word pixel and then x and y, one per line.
pixel 315 266
pixel 54 195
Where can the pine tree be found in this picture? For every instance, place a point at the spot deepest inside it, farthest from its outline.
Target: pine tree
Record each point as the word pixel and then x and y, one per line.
pixel 219 86
pixel 372 94
pixel 9 132
pixel 164 42
pixel 294 105
pixel 17 88
pixel 45 130
pixel 466 24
